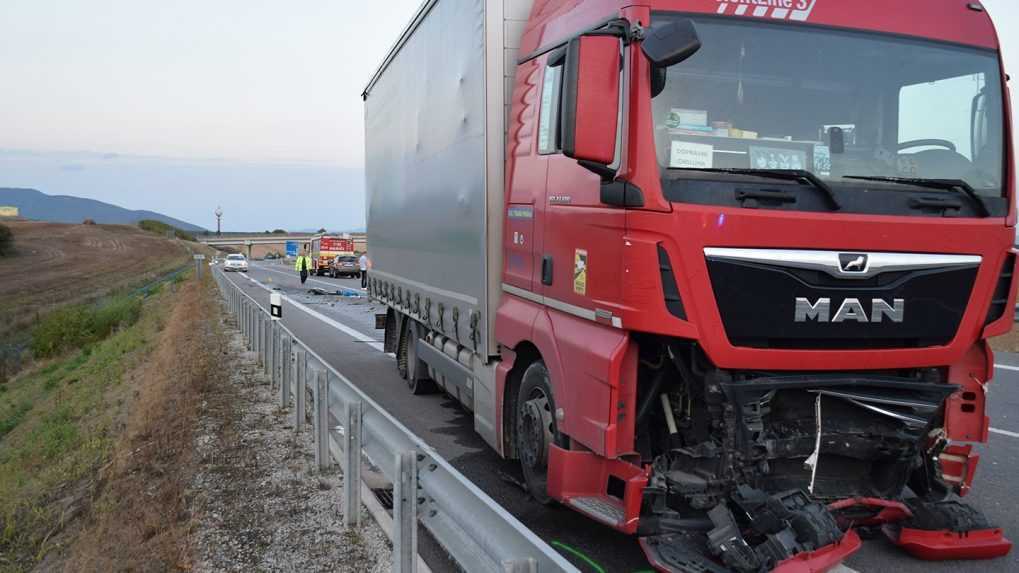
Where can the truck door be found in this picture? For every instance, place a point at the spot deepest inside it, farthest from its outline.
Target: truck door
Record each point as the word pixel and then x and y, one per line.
pixel 579 269
pixel 581 252
pixel 527 171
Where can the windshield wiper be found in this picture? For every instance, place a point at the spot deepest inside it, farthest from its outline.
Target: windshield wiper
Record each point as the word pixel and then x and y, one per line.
pixel 798 175
pixel 957 185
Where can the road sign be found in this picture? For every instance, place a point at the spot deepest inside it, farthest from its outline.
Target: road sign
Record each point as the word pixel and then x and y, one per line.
pixel 291 248
pixel 199 257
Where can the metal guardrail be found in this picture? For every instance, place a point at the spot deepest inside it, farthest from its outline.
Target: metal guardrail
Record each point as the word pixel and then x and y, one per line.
pixel 475 530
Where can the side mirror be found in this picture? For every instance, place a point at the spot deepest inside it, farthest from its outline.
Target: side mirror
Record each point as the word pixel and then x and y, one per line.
pixel 590 104
pixel 670 44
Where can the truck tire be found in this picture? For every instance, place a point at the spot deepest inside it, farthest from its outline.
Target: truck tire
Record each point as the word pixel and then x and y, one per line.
pixel 536 429
pixel 411 368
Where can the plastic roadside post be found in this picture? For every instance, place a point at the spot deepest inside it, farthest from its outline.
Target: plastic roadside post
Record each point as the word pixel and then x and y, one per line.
pixel 276 304
pixel 198 264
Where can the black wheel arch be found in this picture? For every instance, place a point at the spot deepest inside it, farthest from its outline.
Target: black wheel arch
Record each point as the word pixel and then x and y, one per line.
pixel 526 354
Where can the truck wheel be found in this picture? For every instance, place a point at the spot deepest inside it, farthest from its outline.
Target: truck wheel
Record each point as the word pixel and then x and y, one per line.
pixel 536 429
pixel 411 368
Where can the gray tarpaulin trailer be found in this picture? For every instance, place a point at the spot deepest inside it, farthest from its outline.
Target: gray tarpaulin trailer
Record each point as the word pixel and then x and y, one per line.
pixel 435 130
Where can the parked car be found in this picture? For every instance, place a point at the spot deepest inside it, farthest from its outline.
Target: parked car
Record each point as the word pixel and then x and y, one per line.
pixel 236 263
pixel 344 266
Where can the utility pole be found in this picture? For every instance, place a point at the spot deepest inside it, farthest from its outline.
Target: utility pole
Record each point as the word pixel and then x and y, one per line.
pixel 219 217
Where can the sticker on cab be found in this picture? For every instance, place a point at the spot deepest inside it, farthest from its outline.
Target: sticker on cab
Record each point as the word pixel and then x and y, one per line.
pixel 580 271
pixel 691 155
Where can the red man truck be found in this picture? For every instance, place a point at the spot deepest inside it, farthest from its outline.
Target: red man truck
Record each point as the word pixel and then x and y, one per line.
pixel 719 273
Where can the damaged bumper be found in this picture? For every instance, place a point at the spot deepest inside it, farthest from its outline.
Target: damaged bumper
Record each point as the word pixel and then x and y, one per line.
pixel 754 531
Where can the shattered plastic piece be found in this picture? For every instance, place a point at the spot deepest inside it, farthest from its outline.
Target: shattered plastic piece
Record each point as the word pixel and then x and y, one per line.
pixel 677 552
pixel 811 462
pixel 726 542
pixel 946 530
pixel 868 511
pixel 823 559
pixel 947 545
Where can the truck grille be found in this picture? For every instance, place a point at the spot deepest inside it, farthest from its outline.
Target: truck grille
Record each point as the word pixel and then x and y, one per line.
pixel 758 305
pixel 1001 291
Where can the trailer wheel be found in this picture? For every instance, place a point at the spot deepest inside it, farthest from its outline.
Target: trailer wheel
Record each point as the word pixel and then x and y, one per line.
pixel 411 368
pixel 536 429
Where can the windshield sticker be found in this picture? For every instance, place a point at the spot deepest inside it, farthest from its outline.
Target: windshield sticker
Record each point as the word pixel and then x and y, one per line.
pixel 692 155
pixel 798 10
pixel 777 158
pixel 822 160
pixel 907 166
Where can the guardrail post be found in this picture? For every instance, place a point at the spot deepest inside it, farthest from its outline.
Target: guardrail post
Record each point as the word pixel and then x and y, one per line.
pixel 322 419
pixel 277 353
pixel 262 340
pixel 258 331
pixel 289 364
pixel 299 392
pixel 282 358
pixel 405 522
pixel 352 467
pixel 271 367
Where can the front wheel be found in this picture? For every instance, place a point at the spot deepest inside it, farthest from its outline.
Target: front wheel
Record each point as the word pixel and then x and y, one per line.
pixel 536 429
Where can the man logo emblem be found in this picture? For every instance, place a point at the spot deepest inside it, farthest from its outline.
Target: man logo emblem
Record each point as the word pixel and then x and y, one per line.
pixel 852 263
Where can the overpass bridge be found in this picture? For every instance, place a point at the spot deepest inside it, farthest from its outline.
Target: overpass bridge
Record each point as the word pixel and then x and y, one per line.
pixel 257 246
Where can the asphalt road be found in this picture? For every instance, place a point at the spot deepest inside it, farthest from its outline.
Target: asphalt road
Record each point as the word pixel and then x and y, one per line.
pixel 444 425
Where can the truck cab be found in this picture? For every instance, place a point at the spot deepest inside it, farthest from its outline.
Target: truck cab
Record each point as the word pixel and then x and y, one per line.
pixel 763 246
pixel 719 273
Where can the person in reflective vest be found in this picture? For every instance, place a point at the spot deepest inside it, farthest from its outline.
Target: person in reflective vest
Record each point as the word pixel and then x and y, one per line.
pixel 303 265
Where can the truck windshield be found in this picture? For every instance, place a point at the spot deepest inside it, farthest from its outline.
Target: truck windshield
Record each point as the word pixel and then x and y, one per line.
pixel 762 95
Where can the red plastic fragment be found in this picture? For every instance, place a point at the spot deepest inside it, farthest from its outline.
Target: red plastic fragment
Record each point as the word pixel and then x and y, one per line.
pixel 944 545
pixel 958 466
pixel 823 559
pixel 887 511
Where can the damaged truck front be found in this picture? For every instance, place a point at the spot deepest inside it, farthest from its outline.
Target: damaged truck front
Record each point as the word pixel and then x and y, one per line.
pixel 719 273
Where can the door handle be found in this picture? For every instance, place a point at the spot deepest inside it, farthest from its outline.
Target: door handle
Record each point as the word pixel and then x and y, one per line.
pixel 546 270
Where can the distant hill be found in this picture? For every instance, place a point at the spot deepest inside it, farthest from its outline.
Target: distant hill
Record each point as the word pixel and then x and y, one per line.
pixel 37 205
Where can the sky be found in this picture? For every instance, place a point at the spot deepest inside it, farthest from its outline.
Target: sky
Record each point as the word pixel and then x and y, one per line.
pixel 181 106
pixel 184 105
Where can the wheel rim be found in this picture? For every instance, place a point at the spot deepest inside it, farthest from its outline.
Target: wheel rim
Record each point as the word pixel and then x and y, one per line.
pixel 536 436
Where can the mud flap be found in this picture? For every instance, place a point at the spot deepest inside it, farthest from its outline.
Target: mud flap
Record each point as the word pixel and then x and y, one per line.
pixel 945 530
pixel 754 531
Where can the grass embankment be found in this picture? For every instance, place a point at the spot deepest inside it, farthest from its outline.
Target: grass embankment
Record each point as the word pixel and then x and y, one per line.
pixel 161 228
pixel 94 443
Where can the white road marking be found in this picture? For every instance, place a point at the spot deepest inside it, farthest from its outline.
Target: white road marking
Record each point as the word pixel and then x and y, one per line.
pixel 356 335
pixel 997 430
pixel 1004 433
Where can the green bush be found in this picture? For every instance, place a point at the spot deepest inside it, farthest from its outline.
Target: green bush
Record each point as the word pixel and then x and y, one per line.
pixel 79 325
pixel 6 240
pixel 161 228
